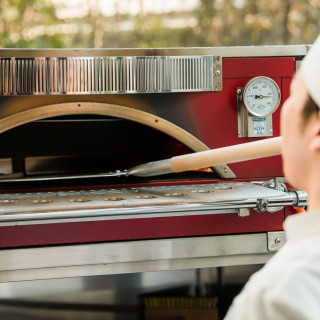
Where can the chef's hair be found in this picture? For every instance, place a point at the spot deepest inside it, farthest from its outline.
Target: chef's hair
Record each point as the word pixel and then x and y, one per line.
pixel 310 109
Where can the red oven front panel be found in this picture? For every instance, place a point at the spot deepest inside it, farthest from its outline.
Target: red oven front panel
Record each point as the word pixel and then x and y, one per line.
pixel 211 117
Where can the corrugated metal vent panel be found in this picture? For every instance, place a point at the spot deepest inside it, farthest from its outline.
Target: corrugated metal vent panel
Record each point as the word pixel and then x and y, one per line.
pixel 101 75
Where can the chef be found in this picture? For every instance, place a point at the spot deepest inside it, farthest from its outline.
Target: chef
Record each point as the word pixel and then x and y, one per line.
pixel 288 286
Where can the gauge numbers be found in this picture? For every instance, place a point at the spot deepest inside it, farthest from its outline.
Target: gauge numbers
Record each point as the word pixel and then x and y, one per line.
pixel 261 96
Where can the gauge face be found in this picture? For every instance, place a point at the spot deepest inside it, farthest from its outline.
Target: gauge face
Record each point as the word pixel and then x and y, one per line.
pixel 261 96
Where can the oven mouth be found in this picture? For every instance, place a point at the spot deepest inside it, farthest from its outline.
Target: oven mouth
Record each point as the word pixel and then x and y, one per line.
pixel 90 137
pixel 83 150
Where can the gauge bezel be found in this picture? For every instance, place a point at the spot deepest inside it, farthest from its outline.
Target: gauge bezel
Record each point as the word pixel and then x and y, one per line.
pixel 245 89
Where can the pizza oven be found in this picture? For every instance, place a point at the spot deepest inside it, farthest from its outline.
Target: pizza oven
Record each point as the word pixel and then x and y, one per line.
pixel 73 121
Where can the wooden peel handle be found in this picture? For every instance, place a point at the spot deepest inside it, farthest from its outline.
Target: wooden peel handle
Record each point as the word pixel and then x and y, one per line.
pixel 231 154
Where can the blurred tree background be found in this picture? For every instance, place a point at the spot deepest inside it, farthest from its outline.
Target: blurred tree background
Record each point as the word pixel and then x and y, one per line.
pixel 156 23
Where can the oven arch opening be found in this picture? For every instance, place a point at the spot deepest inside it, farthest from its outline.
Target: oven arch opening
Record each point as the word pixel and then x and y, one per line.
pixel 107 110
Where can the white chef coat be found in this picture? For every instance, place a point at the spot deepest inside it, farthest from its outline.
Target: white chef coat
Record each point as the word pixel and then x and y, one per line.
pixel 288 286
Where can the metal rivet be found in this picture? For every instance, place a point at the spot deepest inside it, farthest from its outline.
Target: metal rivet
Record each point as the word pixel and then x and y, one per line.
pixel 217 73
pixel 277 241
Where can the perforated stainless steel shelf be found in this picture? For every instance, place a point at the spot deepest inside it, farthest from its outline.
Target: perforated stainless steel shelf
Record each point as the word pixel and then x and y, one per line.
pixel 109 204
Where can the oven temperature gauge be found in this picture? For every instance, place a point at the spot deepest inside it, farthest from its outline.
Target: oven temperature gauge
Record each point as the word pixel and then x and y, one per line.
pixel 261 96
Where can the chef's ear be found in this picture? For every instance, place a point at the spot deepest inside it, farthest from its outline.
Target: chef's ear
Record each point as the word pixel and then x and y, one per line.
pixel 315 140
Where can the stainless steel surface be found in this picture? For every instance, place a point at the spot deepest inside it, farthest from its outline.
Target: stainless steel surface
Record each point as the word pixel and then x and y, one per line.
pixel 248 124
pixel 244 212
pixel 297 198
pixel 277 184
pixel 160 167
pixel 133 256
pixel 243 51
pixel 242 116
pixel 11 178
pixel 276 240
pixel 300 198
pixel 101 75
pixel 217 70
pixel 107 204
pixel 263 51
pixel 154 168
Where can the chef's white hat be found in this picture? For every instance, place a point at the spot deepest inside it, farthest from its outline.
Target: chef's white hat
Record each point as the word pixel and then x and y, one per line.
pixel 310 69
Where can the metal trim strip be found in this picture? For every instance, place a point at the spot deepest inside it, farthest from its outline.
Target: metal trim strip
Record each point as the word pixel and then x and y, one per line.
pixel 231 51
pixel 132 256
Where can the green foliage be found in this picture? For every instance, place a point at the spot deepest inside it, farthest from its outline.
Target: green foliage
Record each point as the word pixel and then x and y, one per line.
pixel 25 23
pixel 35 23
